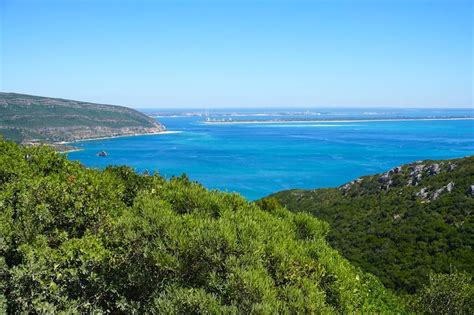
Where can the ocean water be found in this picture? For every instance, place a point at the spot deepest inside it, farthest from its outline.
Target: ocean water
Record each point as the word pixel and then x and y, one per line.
pixel 262 158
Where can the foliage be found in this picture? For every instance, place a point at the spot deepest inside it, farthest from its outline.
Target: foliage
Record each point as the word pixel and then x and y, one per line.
pixel 27 117
pixel 80 240
pixel 451 293
pixel 393 233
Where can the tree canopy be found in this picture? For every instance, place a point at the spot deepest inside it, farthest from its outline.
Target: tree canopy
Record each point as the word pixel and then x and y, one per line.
pixel 75 240
pixel 402 225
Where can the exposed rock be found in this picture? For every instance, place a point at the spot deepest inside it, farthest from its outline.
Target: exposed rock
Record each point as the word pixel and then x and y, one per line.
pixel 384 178
pixel 437 193
pixel 416 173
pixel 398 170
pixel 346 187
pixel 450 186
pixel 423 193
pixel 451 167
pixel 471 190
pixel 388 185
pixel 418 168
pixel 434 169
pixel 102 153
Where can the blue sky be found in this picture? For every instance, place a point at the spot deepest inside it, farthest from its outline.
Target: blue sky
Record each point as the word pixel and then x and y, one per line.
pixel 209 54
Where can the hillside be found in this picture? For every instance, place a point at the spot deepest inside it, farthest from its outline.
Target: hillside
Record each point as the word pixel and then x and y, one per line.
pixel 401 225
pixel 78 240
pixel 25 118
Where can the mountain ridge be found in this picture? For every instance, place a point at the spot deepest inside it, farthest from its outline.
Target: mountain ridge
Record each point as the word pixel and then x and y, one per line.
pixel 400 225
pixel 28 118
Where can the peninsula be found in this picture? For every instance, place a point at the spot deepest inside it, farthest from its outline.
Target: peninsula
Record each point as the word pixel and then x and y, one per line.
pixel 328 120
pixel 33 120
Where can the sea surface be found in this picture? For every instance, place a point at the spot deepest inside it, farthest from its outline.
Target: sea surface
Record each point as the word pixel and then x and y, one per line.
pixel 257 159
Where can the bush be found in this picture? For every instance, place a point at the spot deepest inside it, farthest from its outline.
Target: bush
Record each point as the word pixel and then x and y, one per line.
pixel 451 293
pixel 79 240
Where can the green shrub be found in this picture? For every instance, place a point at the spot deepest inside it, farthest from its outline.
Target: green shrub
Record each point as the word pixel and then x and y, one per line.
pixel 451 293
pixel 393 233
pixel 79 240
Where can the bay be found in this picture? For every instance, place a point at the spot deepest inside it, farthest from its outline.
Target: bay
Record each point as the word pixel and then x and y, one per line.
pixel 257 159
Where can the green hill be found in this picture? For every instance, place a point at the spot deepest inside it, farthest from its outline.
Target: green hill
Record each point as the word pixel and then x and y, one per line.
pixel 78 240
pixel 401 225
pixel 26 118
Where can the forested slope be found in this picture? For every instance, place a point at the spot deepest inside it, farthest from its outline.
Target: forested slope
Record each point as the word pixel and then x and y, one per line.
pixel 79 240
pixel 402 225
pixel 27 117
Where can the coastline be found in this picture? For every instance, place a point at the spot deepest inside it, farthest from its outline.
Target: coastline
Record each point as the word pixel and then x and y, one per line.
pixel 70 150
pixel 277 121
pixel 120 136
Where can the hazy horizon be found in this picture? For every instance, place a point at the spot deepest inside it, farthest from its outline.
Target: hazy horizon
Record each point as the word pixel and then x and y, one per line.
pixel 241 54
pixel 281 107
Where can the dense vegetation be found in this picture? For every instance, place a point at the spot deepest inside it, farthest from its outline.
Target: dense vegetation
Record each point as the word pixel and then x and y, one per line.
pixel 27 117
pixel 403 225
pixel 77 240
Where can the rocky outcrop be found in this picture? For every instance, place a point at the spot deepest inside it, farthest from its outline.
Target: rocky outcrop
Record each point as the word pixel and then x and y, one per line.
pixel 448 188
pixel 409 175
pixel 346 187
pixel 428 195
pixel 418 171
pixel 471 190
pixel 423 193
pixel 434 169
pixel 384 178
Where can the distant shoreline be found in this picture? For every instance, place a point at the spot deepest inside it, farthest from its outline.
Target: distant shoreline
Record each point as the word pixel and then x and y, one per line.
pixel 290 121
pixel 70 150
pixel 120 136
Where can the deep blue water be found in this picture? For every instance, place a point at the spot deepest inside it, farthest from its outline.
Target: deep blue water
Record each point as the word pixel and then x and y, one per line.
pixel 258 159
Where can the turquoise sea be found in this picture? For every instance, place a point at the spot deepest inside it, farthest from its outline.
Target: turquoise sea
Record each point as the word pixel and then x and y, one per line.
pixel 261 158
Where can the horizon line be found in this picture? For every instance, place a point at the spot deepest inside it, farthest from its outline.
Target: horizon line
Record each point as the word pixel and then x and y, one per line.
pixel 218 107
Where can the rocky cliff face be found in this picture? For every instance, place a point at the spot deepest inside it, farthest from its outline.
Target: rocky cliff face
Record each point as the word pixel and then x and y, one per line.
pixel 26 118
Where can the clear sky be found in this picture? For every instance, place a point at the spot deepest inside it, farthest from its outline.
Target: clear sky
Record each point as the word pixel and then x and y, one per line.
pixel 206 54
